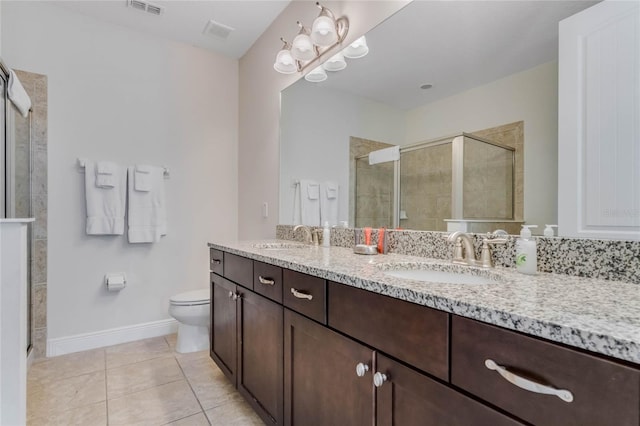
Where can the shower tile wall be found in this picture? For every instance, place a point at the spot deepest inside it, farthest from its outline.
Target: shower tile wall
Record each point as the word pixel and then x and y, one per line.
pixel 374 203
pixel 425 188
pixel 512 135
pixel 36 87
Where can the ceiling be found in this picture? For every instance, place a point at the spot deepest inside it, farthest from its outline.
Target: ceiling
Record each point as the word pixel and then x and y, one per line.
pixel 185 20
pixel 453 45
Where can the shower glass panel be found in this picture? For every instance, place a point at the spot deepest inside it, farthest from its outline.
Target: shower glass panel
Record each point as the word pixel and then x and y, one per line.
pixel 487 180
pixel 17 188
pixel 374 193
pixel 425 186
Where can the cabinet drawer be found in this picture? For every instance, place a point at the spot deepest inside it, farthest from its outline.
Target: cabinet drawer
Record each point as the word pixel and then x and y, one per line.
pixel 239 270
pixel 604 392
pixel 412 333
pixel 216 261
pixel 267 280
pixel 305 294
pixel 408 398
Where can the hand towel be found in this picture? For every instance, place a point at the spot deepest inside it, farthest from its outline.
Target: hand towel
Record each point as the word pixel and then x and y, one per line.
pixel 18 95
pixel 329 202
pixel 384 155
pixel 105 206
pixel 143 178
pixel 147 209
pixel 310 202
pixel 105 174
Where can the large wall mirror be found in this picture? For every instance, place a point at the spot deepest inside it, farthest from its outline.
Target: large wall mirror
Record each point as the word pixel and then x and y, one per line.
pixel 492 70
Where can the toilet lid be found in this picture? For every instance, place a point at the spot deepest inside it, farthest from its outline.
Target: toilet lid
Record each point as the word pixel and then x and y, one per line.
pixel 195 297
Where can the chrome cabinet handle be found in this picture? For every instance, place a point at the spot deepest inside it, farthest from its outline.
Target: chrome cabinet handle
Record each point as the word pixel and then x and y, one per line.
pixel 236 296
pixel 230 294
pixel 266 281
pixel 300 295
pixel 527 384
pixel 361 369
pixel 379 379
pixel 216 261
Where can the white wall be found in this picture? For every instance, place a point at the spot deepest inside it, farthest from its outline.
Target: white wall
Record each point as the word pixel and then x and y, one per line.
pixel 315 137
pixel 260 88
pixel 532 96
pixel 120 95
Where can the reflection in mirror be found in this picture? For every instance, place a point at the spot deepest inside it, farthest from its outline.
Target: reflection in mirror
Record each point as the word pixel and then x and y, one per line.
pixel 484 77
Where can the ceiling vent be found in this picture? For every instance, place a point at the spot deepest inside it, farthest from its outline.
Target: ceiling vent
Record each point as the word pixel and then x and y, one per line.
pixel 217 30
pixel 145 7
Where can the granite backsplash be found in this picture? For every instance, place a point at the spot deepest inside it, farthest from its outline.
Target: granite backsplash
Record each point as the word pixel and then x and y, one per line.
pixel 605 259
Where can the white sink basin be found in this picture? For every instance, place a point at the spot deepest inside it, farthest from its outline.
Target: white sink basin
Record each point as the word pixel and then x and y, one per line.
pixel 279 246
pixel 439 273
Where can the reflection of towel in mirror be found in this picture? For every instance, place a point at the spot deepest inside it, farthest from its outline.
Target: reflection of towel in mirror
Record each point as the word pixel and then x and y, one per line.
pixel 384 155
pixel 306 203
pixel 147 209
pixel 105 204
pixel 17 94
pixel 329 202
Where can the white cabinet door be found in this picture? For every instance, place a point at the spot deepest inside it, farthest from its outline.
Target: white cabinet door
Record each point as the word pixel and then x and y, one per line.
pixel 599 122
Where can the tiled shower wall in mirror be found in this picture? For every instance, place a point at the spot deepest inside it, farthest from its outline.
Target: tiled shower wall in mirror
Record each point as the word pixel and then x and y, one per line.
pixel 36 87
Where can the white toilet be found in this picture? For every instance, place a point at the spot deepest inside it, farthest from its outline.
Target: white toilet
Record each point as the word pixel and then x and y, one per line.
pixel 192 311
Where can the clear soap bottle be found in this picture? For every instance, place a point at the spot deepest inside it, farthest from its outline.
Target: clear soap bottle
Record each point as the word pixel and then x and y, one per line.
pixel 526 255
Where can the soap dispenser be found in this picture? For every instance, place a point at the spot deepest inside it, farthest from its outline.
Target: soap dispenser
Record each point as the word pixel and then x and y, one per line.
pixel 326 235
pixel 548 230
pixel 526 256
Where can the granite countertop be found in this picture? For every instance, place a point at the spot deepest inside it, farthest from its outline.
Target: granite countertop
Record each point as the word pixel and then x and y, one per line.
pixel 593 314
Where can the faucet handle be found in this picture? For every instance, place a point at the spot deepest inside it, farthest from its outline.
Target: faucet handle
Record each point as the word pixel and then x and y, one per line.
pixel 485 256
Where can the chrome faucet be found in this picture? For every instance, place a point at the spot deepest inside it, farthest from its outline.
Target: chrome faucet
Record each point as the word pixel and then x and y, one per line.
pixel 310 237
pixel 468 257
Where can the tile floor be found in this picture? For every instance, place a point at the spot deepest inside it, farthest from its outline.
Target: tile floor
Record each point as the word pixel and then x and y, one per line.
pixel 138 383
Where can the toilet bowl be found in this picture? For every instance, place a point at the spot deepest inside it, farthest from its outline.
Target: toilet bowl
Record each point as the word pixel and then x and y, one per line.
pixel 192 311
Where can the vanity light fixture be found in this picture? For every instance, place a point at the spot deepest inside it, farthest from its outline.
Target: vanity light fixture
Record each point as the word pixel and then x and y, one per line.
pixel 335 63
pixel 316 75
pixel 308 47
pixel 357 49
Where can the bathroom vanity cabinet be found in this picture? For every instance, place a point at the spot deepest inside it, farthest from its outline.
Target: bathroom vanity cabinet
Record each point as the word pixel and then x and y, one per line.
pixel 246 335
pixel 310 351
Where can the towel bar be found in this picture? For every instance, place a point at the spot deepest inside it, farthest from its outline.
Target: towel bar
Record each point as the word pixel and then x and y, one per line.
pixel 83 161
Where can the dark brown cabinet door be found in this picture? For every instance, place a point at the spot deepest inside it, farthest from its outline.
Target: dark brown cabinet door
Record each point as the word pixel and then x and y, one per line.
pixel 260 355
pixel 408 398
pixel 321 385
pixel 223 325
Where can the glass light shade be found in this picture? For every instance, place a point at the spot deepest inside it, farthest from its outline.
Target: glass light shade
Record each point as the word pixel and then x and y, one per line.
pixel 302 48
pixel 357 49
pixel 316 75
pixel 285 63
pixel 335 63
pixel 323 31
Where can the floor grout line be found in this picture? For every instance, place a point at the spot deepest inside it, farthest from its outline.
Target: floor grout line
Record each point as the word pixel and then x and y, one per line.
pixel 193 391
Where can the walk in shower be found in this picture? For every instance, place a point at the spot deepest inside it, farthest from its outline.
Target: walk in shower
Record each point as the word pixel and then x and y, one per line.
pixel 23 187
pixel 458 178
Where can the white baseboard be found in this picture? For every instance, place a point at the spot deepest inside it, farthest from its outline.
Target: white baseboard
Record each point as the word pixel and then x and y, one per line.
pixel 113 336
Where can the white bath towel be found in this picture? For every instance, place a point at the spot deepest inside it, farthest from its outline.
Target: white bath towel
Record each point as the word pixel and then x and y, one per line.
pixel 18 95
pixel 143 179
pixel 384 155
pixel 329 198
pixel 306 203
pixel 105 205
pixel 147 209
pixel 106 174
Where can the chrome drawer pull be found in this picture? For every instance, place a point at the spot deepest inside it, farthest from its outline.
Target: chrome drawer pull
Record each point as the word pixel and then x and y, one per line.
pixel 527 384
pixel 301 295
pixel 216 261
pixel 266 281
